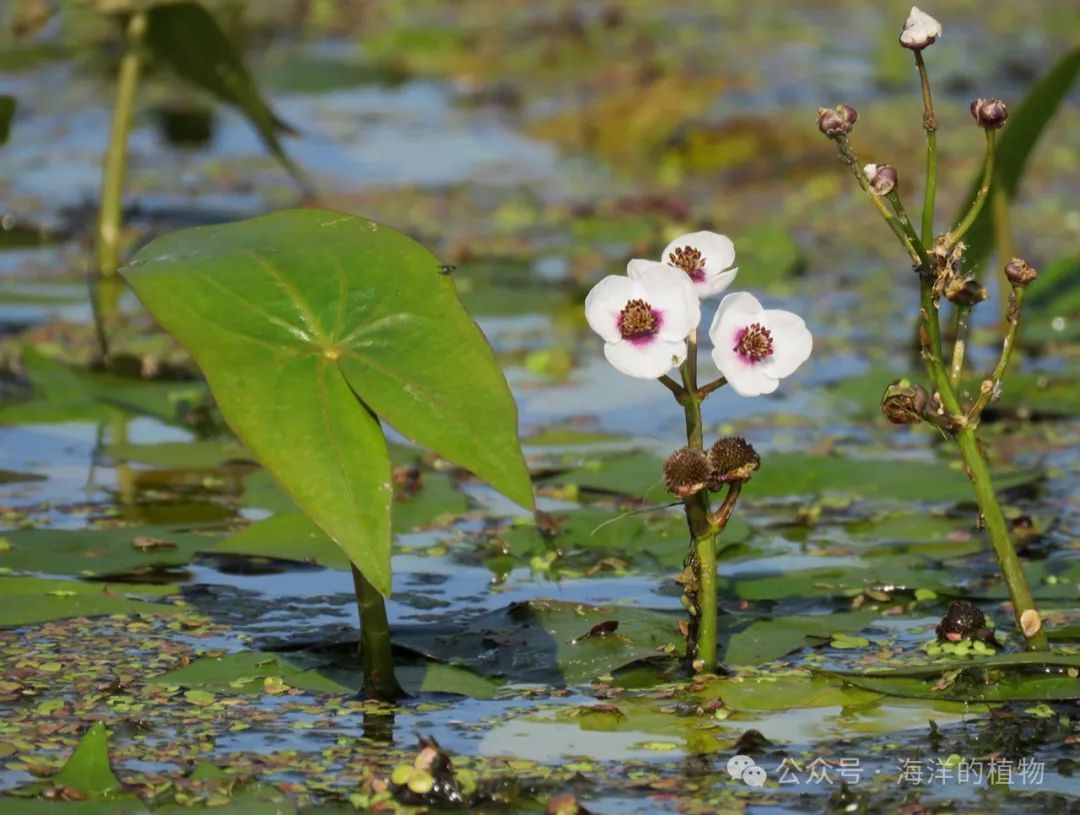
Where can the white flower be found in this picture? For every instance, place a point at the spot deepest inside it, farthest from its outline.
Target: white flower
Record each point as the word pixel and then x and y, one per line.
pixel 704 257
pixel 920 30
pixel 644 320
pixel 755 348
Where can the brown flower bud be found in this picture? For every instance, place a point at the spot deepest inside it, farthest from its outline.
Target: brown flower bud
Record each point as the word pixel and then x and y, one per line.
pixel 989 113
pixel 904 403
pixel 963 620
pixel 965 291
pixel 837 121
pixel 686 472
pixel 1019 272
pixel 882 178
pixel 731 459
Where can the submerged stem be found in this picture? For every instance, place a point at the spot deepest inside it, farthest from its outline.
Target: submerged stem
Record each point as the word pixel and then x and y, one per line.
pixel 112 182
pixel 376 652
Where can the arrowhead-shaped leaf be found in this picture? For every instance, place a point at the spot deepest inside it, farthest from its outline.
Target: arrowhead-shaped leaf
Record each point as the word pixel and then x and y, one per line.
pixel 89 769
pixel 308 324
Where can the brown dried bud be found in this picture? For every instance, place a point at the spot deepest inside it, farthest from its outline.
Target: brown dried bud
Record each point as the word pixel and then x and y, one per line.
pixel 686 472
pixel 989 113
pixel 837 121
pixel 1019 272
pixel 965 291
pixel 963 620
pixel 882 178
pixel 731 459
pixel 904 403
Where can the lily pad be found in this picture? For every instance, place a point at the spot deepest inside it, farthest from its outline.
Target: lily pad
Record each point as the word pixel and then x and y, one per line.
pixel 88 770
pixel 247 672
pixel 26 600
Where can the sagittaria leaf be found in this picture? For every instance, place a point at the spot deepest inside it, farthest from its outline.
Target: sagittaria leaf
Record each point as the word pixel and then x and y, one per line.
pixel 308 325
pixel 89 769
pixel 187 38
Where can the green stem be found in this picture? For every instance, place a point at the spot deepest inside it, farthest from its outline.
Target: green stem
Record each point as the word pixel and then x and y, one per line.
pixel 1003 237
pixel 930 126
pixel 703 532
pixel 376 652
pixel 986 498
pixel 981 195
pixel 1012 321
pixel 848 157
pixel 112 184
pixel 959 344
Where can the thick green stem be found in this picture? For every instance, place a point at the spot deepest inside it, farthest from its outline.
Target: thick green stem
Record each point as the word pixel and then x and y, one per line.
pixel 703 531
pixel 956 366
pixel 930 126
pixel 981 195
pixel 376 652
pixel 112 184
pixel 986 498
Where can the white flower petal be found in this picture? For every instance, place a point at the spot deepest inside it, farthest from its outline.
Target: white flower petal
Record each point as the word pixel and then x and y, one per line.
pixel 792 343
pixel 604 303
pixel 745 378
pixel 740 307
pixel 711 286
pixel 670 292
pixel 639 266
pixel 920 30
pixel 645 360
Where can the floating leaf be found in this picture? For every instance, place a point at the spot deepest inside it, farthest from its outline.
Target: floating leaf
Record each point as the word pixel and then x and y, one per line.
pixel 1029 676
pixel 25 600
pixel 769 639
pixel 545 641
pixel 88 770
pixel 246 671
pixel 434 677
pixel 1016 143
pixel 310 323
pixel 187 38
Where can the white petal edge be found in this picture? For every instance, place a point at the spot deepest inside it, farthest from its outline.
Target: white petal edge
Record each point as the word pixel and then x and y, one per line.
pixel 645 360
pixel 712 286
pixel 717 250
pixel 792 343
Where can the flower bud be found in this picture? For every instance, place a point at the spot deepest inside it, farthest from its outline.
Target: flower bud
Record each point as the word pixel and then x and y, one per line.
pixel 989 113
pixel 882 178
pixel 963 620
pixel 686 472
pixel 1019 272
pixel 731 459
pixel 837 121
pixel 920 30
pixel 965 291
pixel 904 403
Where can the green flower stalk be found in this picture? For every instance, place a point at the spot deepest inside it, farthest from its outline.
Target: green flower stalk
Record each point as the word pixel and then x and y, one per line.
pixel 649 323
pixel 939 266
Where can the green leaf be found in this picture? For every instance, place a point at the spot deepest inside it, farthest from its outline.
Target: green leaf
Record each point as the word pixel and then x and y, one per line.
pixel 1052 305
pixel 548 641
pixel 766 640
pixel 1015 145
pixel 308 324
pixel 88 769
pixel 433 677
pixel 26 600
pixel 245 671
pixel 7 113
pixel 187 38
pixel 1029 676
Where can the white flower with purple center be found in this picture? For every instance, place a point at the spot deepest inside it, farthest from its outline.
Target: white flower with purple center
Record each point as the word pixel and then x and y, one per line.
pixel 705 258
pixel 644 320
pixel 754 347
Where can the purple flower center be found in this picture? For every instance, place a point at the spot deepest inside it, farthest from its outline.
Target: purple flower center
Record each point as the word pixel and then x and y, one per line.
pixel 754 343
pixel 690 261
pixel 638 321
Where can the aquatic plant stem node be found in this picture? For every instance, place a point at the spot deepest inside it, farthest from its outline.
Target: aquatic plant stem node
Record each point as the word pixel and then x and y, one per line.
pixel 112 182
pixel 376 650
